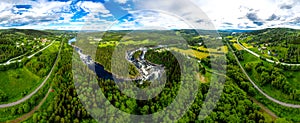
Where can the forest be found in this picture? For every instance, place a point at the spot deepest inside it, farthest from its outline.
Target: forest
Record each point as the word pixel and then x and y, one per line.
pixel 76 94
pixel 234 105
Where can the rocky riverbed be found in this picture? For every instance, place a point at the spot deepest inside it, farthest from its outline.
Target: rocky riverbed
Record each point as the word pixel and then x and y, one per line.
pixel 148 71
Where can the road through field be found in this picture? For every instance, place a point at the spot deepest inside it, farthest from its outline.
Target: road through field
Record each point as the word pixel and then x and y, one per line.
pixel 11 60
pixel 37 89
pixel 268 60
pixel 261 91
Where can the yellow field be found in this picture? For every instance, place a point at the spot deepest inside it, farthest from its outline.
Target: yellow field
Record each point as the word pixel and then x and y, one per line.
pixel 238 47
pixel 202 48
pixel 223 49
pixel 191 52
pixel 105 44
pixel 247 45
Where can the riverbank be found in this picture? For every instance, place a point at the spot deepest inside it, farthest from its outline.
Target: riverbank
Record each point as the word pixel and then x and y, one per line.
pixel 147 71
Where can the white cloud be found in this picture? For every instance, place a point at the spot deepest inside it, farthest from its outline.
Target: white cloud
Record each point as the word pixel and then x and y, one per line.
pixel 93 7
pixel 121 1
pixel 97 11
pixel 226 14
pixel 152 20
pixel 180 9
pixel 206 14
pixel 39 13
pixel 44 14
pixel 235 11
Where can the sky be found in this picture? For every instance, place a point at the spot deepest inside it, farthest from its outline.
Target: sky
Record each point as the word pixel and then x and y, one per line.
pixel 149 14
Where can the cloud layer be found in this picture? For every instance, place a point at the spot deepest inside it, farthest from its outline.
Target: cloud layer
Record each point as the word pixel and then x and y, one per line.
pixel 252 14
pixel 126 14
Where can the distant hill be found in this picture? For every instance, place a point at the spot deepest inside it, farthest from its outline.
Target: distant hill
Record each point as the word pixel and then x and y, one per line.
pixel 273 31
pixel 279 35
pixel 29 32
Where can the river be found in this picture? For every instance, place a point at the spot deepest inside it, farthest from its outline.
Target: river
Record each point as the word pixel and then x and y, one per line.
pixel 148 71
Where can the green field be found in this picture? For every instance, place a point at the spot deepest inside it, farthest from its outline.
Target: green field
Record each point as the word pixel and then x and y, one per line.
pixel 19 82
pixel 11 113
pixel 15 82
pixel 273 92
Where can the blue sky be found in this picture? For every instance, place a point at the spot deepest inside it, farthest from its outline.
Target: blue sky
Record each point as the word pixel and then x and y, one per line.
pixel 141 14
